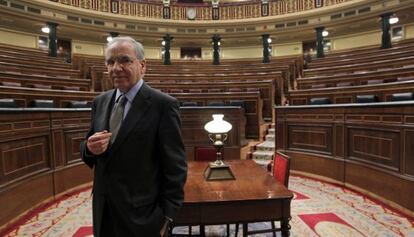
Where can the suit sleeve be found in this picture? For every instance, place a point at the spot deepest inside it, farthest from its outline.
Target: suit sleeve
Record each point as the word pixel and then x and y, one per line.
pixel 173 160
pixel 88 157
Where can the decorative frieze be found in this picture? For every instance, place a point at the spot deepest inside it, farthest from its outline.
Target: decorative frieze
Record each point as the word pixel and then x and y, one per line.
pixel 227 11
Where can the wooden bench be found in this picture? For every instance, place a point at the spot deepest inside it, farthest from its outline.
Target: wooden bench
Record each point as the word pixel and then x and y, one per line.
pixel 338 95
pixel 358 78
pixel 266 88
pixel 252 100
pixel 368 146
pixel 55 82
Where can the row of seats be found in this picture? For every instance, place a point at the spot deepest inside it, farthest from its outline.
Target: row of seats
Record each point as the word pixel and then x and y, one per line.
pixel 40 86
pixel 358 76
pixel 12 103
pixel 365 98
pixel 240 103
pixel 350 83
pixel 212 90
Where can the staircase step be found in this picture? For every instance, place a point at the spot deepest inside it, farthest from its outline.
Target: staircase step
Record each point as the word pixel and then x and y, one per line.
pixel 263 155
pixel 270 137
pixel 263 163
pixel 266 146
pixel 271 131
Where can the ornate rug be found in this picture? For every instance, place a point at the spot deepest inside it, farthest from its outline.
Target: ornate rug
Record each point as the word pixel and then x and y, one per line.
pixel 319 209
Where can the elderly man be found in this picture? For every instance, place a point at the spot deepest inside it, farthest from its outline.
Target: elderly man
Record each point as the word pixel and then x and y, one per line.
pixel 135 147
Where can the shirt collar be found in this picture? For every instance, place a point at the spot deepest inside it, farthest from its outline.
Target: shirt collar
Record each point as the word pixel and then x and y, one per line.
pixel 130 95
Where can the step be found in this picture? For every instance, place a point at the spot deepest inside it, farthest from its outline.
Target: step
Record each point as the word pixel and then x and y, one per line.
pixel 266 146
pixel 263 155
pixel 271 131
pixel 263 163
pixel 270 137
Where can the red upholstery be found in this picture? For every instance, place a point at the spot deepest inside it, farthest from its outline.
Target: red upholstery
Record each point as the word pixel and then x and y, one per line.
pixel 281 169
pixel 205 154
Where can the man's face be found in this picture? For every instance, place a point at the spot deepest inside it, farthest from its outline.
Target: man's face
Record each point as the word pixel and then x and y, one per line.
pixel 124 69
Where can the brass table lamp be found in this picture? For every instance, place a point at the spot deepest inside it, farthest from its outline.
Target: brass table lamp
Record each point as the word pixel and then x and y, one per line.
pixel 218 129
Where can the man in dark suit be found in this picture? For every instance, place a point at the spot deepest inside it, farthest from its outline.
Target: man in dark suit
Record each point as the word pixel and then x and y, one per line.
pixel 134 146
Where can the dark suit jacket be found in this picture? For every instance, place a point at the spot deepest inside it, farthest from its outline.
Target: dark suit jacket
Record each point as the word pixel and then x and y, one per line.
pixel 140 177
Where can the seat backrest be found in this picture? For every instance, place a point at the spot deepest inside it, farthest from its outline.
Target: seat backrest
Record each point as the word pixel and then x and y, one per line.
pixel 71 88
pixel 320 101
pixel 374 82
pixel 345 83
pixel 366 99
pixel 12 84
pixel 205 154
pixel 8 103
pixel 189 103
pixel 281 168
pixel 402 96
pixel 42 103
pixel 176 91
pixel 78 104
pixel 215 103
pixel 240 103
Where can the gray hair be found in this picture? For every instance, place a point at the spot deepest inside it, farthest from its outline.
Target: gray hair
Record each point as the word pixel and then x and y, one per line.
pixel 139 49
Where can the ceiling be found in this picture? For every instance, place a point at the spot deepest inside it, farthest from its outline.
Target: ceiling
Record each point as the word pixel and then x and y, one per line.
pixel 19 21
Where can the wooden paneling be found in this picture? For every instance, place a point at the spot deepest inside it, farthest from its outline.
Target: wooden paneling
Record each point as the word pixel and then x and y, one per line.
pixel 24 195
pixel 384 184
pixel 20 155
pixel 73 141
pixel 409 152
pixel 194 135
pixel 338 143
pixel 373 145
pixel 40 158
pixel 377 147
pixel 315 138
pixel 317 164
pixel 71 176
pixel 32 145
pixel 58 148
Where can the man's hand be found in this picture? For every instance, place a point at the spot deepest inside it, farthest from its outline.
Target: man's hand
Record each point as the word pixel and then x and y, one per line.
pixel 98 142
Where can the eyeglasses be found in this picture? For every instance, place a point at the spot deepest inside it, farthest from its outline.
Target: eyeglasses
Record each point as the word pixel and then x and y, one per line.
pixel 122 60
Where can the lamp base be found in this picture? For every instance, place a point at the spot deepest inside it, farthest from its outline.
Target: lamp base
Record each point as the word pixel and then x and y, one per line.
pixel 218 172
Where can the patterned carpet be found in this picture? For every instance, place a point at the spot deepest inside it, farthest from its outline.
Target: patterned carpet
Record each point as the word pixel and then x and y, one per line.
pixel 318 209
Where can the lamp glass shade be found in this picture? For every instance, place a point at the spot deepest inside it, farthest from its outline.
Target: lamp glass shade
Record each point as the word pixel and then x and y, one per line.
pixel 46 29
pixel 217 125
pixel 393 20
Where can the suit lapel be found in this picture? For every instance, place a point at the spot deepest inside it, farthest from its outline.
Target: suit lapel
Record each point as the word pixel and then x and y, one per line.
pixel 139 106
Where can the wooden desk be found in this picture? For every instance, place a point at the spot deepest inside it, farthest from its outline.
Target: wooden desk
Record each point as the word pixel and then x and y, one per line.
pixel 253 196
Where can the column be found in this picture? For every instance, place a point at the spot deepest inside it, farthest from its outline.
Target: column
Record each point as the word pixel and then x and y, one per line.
pixel 266 49
pixel 319 42
pixel 52 39
pixel 216 47
pixel 386 37
pixel 167 44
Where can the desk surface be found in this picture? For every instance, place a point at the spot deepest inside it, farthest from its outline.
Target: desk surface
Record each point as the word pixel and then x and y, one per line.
pixel 253 196
pixel 252 183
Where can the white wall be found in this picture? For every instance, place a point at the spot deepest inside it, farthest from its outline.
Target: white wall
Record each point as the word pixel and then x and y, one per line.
pixel 356 40
pixel 18 38
pixel 89 48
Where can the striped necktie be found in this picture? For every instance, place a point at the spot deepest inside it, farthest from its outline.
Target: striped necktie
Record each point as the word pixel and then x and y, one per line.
pixel 117 116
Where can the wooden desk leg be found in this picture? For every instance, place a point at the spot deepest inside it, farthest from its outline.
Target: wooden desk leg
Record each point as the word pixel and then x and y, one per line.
pixel 245 229
pixel 284 225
